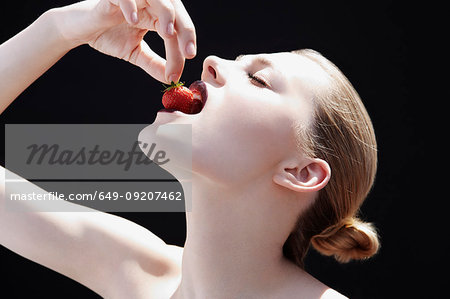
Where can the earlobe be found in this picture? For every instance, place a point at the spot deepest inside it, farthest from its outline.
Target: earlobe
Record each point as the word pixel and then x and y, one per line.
pixel 311 177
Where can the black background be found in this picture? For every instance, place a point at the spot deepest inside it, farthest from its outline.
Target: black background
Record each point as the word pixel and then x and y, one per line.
pixel 374 43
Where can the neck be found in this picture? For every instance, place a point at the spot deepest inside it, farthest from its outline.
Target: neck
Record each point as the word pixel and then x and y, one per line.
pixel 234 241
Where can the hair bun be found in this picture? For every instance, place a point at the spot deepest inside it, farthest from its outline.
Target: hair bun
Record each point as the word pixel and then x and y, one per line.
pixel 351 239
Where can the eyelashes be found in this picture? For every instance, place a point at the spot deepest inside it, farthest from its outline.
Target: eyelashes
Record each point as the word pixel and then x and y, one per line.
pixel 257 80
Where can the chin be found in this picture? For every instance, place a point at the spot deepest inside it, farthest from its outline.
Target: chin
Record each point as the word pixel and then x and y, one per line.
pixel 171 146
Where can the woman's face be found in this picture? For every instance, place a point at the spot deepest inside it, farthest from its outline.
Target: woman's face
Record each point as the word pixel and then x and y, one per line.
pixel 246 127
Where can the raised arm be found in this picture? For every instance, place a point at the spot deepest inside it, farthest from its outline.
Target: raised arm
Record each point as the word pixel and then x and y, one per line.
pixel 26 56
pixel 102 251
pixel 113 27
pixel 106 253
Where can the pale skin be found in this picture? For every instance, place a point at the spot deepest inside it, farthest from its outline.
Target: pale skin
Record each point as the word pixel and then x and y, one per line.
pixel 249 183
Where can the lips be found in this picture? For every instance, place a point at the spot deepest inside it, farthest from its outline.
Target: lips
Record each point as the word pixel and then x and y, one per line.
pixel 200 92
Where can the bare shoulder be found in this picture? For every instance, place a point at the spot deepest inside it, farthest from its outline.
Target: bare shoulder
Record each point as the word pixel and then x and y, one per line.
pixel 148 267
pixel 176 253
pixel 301 284
pixel 332 294
pixel 147 250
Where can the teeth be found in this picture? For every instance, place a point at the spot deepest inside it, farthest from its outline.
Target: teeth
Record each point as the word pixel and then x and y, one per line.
pixel 197 96
pixel 200 95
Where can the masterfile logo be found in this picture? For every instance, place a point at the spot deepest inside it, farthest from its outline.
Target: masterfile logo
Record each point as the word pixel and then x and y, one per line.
pixel 102 166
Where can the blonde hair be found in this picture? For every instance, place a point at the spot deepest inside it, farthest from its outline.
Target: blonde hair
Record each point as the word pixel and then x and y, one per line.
pixel 342 134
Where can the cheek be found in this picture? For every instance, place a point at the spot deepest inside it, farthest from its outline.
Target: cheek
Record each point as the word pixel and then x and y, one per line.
pixel 242 137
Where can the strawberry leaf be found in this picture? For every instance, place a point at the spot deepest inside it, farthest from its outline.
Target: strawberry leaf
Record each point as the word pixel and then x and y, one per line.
pixel 172 85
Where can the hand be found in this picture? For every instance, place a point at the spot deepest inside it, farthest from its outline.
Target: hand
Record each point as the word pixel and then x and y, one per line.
pixel 117 28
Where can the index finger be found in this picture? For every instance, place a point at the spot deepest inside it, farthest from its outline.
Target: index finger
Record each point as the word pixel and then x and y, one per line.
pixel 174 58
pixel 184 26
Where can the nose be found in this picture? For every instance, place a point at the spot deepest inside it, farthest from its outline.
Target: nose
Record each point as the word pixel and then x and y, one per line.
pixel 214 71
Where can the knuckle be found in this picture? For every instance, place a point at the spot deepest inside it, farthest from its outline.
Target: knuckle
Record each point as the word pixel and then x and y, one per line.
pixel 167 9
pixel 189 30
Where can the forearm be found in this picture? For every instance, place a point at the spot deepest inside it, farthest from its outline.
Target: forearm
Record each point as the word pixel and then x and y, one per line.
pixel 29 54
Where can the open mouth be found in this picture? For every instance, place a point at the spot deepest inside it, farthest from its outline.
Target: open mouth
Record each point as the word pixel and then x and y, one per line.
pixel 200 92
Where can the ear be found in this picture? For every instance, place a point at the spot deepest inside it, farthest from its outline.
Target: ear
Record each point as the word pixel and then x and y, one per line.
pixel 308 178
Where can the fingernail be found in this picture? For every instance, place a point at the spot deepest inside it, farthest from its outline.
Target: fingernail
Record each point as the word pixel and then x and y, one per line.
pixel 134 17
pixel 170 29
pixel 190 49
pixel 173 78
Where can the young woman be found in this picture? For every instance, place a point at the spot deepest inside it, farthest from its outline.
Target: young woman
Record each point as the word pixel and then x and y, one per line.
pixel 283 155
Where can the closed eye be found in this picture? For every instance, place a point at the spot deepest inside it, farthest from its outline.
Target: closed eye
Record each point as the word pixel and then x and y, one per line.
pixel 257 80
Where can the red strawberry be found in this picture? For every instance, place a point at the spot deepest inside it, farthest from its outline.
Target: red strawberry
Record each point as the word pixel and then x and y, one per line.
pixel 180 98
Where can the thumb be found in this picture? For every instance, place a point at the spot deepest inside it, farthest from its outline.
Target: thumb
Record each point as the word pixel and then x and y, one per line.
pixel 150 62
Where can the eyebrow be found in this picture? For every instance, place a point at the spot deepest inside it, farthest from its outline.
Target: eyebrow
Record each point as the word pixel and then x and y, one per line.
pixel 258 60
pixel 278 83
